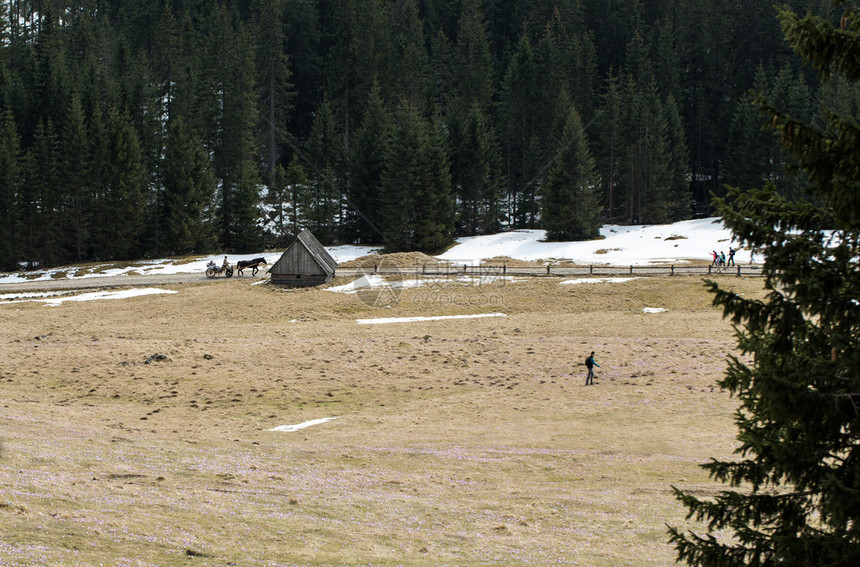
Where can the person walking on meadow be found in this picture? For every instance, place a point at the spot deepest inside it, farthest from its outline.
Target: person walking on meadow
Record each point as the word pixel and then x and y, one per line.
pixel 590 363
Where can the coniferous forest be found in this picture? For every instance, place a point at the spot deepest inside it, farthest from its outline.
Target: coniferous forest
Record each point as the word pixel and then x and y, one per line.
pixel 134 129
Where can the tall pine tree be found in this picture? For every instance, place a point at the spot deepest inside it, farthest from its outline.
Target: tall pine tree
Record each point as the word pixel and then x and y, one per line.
pixel 328 161
pixel 609 145
pixel 417 207
pixel 520 112
pixel 367 158
pixel 570 204
pixel 188 193
pixel 76 183
pixel 10 172
pixel 793 495
pixel 124 185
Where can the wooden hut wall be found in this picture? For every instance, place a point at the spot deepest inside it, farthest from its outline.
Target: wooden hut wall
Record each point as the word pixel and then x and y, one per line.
pixel 299 281
pixel 297 261
pixel 318 251
pixel 305 262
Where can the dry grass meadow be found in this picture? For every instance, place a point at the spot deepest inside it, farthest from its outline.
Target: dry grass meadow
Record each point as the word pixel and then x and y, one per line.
pixel 457 442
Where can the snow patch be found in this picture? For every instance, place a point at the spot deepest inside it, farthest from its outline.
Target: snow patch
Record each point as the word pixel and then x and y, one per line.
pixel 297 426
pixel 618 246
pixel 28 295
pixel 596 280
pixel 97 295
pixel 653 310
pixel 364 282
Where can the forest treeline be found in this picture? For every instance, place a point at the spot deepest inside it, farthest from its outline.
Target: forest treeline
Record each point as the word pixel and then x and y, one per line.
pixel 134 129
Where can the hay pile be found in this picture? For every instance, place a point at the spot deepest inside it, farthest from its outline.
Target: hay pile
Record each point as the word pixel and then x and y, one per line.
pixel 397 259
pixel 513 262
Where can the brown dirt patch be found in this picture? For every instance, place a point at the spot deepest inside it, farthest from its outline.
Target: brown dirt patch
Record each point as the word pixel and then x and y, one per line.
pixel 464 441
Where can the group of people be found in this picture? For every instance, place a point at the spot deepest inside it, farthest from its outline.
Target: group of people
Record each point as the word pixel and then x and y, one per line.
pixel 721 260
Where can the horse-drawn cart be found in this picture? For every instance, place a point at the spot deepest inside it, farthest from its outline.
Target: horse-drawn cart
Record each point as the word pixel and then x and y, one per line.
pixel 213 269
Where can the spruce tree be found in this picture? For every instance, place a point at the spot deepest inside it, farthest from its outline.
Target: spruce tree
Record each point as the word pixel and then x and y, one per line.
pixel 10 171
pixel 306 64
pixel 296 180
pixel 125 183
pixel 520 109
pixel 841 96
pixel 276 91
pixel 5 71
pixel 52 73
pixel 570 207
pixel 790 94
pixel 571 61
pixel 75 182
pixel 678 176
pixel 367 158
pixel 479 185
pixel 667 61
pixel 41 212
pixel 609 145
pixel 405 71
pixel 353 61
pixel 417 208
pixel 234 133
pixel 793 494
pixel 327 157
pixel 475 155
pixel 188 193
pixel 748 157
pixel 654 181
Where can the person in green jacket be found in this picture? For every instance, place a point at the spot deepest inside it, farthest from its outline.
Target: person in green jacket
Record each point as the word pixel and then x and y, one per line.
pixel 590 363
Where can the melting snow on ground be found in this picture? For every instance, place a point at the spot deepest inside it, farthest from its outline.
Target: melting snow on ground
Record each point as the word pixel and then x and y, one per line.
pixel 28 295
pixel 296 427
pixel 596 280
pixel 53 301
pixel 384 320
pixel 618 245
pixel 653 310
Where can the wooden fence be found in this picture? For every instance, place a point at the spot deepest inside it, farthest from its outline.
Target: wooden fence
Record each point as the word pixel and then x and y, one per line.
pixel 557 271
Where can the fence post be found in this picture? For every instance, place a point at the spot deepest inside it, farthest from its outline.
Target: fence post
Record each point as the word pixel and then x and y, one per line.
pixel 547 269
pixel 590 270
pixel 739 271
pixel 709 269
pixel 631 270
pixel 672 273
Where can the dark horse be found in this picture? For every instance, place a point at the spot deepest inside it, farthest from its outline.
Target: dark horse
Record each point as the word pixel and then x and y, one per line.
pixel 253 264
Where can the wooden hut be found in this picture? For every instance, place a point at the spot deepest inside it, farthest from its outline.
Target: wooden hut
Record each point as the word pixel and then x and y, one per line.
pixel 304 263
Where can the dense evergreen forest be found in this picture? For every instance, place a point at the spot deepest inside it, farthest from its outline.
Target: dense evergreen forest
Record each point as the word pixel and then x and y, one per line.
pixel 134 129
